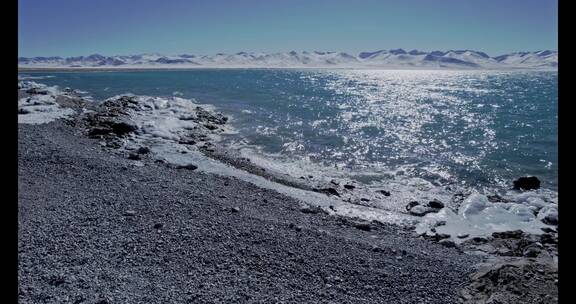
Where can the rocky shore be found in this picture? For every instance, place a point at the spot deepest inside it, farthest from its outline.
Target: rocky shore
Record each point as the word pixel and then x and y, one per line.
pixel 104 219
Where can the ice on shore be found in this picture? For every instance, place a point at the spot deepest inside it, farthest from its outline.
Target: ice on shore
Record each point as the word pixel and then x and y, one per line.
pixel 40 108
pixel 478 216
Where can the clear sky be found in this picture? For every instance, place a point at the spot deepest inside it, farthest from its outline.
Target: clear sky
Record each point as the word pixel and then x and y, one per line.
pixel 122 27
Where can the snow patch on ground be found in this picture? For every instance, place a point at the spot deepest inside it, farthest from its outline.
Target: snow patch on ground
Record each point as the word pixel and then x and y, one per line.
pixel 41 108
pixel 478 216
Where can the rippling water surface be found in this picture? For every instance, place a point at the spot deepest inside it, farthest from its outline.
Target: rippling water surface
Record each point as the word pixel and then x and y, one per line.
pixel 480 128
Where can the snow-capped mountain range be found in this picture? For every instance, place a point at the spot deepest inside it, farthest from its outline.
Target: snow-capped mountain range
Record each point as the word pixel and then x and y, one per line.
pixel 397 58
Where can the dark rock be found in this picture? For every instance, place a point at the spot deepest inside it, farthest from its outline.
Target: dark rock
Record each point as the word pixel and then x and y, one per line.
pixel 143 150
pixel 329 191
pixel 210 127
pixel 548 239
pixel 23 111
pixel 496 199
pixel 235 209
pixel 548 230
pixel 312 209
pixel 439 223
pixel 479 240
pixel 295 227
pixel 122 128
pixel 441 236
pixel 188 167
pixel 349 187
pixel 334 182
pixel 158 225
pixel 37 91
pixel 532 252
pixel 134 156
pixel 447 243
pixel 56 281
pixel 527 183
pixel 187 142
pixel 462 235
pixel 436 204
pixel 550 220
pixel 362 226
pixel 99 131
pixel 364 199
pixel 384 192
pixel 515 234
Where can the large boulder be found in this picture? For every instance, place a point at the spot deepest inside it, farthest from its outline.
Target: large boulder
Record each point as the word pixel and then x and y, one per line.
pixel 527 183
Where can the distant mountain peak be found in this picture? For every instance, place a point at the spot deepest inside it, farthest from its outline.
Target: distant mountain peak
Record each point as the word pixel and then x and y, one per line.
pixel 394 58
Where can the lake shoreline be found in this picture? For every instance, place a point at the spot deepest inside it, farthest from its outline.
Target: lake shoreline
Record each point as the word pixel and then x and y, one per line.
pixel 117 202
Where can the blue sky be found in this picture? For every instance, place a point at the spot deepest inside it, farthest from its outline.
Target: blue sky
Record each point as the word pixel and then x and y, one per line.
pixel 121 27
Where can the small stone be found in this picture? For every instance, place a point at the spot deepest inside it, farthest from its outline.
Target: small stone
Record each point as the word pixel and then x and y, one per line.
pixel 463 235
pixel 188 167
pixel 447 243
pixel 311 209
pixel 411 205
pixel 349 187
pixel 334 182
pixel 329 191
pixel 495 198
pixel 130 213
pixel 531 252
pixel 134 156
pixel 362 226
pixel 421 210
pixel 235 209
pixel 143 150
pixel 515 234
pixel 479 240
pixel 440 223
pixel 441 236
pixel 364 199
pixel 399 258
pixel 187 142
pixel 158 225
pixel 384 192
pixel 436 204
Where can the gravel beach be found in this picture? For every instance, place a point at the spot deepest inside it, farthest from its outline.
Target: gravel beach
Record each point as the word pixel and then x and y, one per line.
pixel 95 228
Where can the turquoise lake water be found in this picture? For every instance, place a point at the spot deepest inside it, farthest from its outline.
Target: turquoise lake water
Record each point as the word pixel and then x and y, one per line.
pixel 479 128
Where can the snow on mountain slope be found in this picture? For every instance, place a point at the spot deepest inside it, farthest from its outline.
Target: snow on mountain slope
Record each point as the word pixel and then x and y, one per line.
pixel 530 59
pixel 395 58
